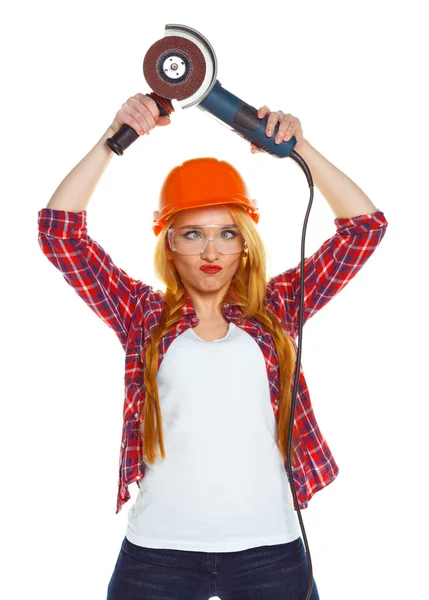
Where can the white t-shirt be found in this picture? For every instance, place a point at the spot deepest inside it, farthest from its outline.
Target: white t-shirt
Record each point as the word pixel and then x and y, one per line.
pixel 223 486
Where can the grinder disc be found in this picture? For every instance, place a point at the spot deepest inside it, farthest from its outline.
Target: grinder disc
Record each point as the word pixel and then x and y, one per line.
pixel 174 67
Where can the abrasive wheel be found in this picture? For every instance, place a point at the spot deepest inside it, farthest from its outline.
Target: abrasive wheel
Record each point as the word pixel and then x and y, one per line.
pixel 180 66
pixel 174 67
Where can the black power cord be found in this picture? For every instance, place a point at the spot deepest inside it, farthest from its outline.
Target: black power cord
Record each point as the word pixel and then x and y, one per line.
pixel 297 158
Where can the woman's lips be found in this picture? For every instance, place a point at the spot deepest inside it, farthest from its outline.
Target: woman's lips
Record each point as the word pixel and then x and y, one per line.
pixel 210 269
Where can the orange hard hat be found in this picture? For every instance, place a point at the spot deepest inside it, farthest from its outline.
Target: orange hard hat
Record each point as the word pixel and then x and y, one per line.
pixel 201 182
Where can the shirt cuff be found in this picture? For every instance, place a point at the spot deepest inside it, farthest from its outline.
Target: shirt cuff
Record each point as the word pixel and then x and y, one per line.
pixel 62 224
pixel 361 223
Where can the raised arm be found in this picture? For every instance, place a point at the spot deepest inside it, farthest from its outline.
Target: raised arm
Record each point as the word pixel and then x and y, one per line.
pixel 360 228
pixel 74 193
pixel 328 270
pixel 63 237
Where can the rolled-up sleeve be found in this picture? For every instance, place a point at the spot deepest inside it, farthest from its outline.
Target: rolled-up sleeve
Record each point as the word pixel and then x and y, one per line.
pixel 108 290
pixel 328 270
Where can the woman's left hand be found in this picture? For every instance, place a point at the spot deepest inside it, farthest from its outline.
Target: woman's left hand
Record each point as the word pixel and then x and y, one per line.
pixel 289 126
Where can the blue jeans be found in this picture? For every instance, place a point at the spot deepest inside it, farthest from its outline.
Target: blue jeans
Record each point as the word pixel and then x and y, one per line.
pixel 278 572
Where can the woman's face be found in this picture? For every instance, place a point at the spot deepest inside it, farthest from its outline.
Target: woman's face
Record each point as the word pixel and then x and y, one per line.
pixel 189 266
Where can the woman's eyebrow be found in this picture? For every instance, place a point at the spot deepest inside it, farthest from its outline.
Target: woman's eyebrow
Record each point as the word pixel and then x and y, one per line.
pixel 200 226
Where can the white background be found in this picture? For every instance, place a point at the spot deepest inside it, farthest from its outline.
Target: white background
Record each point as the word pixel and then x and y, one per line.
pixel 355 75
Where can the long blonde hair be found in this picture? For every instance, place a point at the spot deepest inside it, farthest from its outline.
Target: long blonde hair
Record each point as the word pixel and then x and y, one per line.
pixel 247 290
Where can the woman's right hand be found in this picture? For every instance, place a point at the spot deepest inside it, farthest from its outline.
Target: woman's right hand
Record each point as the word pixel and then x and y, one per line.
pixel 141 113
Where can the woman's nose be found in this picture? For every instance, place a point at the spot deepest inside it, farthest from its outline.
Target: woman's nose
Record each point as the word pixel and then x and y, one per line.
pixel 210 248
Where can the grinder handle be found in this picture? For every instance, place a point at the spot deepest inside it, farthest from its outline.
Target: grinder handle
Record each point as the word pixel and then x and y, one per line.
pixel 126 135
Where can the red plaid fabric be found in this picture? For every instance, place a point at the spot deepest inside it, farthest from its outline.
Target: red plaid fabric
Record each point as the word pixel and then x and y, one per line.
pixel 132 308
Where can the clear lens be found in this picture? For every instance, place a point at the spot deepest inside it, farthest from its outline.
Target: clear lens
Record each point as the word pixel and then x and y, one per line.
pixel 191 241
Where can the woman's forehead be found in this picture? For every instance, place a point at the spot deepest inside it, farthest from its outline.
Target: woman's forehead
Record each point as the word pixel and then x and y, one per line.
pixel 204 216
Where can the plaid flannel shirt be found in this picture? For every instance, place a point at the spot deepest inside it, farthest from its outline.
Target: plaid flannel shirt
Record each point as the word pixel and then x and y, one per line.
pixel 132 308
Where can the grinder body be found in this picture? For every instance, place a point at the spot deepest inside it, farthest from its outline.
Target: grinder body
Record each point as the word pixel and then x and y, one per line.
pixel 243 119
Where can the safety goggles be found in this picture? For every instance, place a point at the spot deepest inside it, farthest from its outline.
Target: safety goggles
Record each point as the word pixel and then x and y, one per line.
pixel 192 240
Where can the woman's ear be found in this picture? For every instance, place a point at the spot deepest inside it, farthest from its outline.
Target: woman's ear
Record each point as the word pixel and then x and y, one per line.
pixel 167 249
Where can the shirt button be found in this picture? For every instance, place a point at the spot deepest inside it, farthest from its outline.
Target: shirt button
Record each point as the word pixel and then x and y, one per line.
pixel 194 318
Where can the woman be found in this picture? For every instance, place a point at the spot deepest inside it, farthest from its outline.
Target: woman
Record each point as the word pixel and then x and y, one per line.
pixel 208 370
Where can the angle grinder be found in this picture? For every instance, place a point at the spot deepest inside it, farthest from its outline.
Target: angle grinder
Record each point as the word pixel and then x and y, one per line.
pixel 182 66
